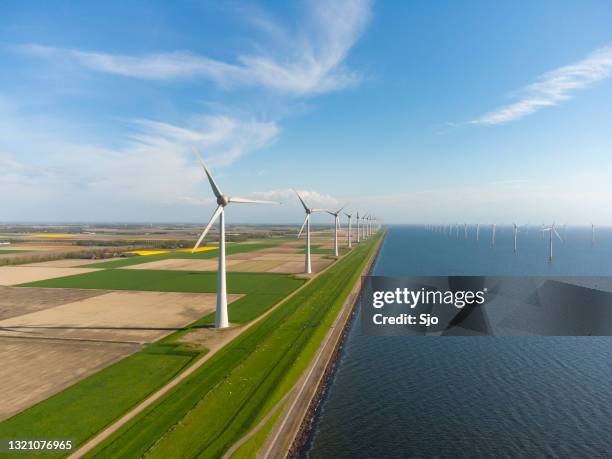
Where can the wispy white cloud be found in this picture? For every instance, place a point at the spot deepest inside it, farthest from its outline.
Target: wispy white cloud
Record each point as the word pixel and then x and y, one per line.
pixel 308 62
pixel 151 165
pixel 223 139
pixel 287 195
pixel 553 88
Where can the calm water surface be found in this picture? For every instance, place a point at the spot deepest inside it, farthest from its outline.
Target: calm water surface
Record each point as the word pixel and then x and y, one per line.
pixel 473 396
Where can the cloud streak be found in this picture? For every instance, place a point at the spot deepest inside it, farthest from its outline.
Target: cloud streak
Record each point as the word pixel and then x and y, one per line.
pixel 309 62
pixel 553 88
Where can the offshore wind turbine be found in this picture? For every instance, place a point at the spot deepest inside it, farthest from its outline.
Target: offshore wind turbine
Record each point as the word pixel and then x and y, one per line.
pixel 552 230
pixel 336 215
pixel 465 230
pixel 592 235
pixel 308 210
pixel 349 237
pixel 221 317
pixel 477 231
pixel 515 230
pixel 493 234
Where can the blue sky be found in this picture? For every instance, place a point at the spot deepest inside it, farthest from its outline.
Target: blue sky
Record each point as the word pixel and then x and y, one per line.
pixel 417 111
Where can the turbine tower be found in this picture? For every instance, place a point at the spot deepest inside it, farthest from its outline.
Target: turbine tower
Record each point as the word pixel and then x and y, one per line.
pixel 349 237
pixel 336 215
pixel 308 210
pixel 493 235
pixel 477 231
pixel 592 235
pixel 552 230
pixel 357 227
pixel 515 230
pixel 221 317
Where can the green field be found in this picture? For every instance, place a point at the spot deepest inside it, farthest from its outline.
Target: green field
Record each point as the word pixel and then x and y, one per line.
pixel 139 259
pixel 258 367
pixel 225 398
pixel 82 410
pixel 318 250
pixel 85 408
pixel 7 251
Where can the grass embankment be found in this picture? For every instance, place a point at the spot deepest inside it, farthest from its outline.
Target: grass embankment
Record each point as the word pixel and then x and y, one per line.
pixel 230 249
pixel 87 407
pixel 227 396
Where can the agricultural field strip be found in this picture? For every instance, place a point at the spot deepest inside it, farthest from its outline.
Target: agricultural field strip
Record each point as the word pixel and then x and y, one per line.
pixel 311 311
pixel 211 254
pixel 121 316
pixel 15 275
pixel 58 363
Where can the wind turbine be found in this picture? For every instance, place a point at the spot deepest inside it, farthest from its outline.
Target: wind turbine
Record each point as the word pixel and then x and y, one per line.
pixel 477 231
pixel 493 234
pixel 357 227
pixel 336 215
pixel 349 237
pixel 515 230
pixel 592 235
pixel 221 317
pixel 552 230
pixel 465 230
pixel 308 210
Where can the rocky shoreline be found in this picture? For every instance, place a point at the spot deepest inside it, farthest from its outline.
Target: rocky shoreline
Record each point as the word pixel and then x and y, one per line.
pixel 305 431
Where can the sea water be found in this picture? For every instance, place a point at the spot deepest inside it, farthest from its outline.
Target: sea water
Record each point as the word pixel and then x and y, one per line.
pixel 473 396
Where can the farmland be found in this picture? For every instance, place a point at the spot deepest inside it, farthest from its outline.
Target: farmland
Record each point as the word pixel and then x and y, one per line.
pixel 243 380
pixel 154 324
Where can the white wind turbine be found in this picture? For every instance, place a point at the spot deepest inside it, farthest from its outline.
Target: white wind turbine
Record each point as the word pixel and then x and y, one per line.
pixel 477 231
pixel 552 230
pixel 493 234
pixel 221 317
pixel 336 215
pixel 515 230
pixel 308 210
pixel 357 227
pixel 592 235
pixel 349 237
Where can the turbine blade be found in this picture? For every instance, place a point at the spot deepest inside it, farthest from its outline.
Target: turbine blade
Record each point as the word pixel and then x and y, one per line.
pixel 301 200
pixel 303 225
pixel 250 201
pixel 215 214
pixel 557 234
pixel 211 180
